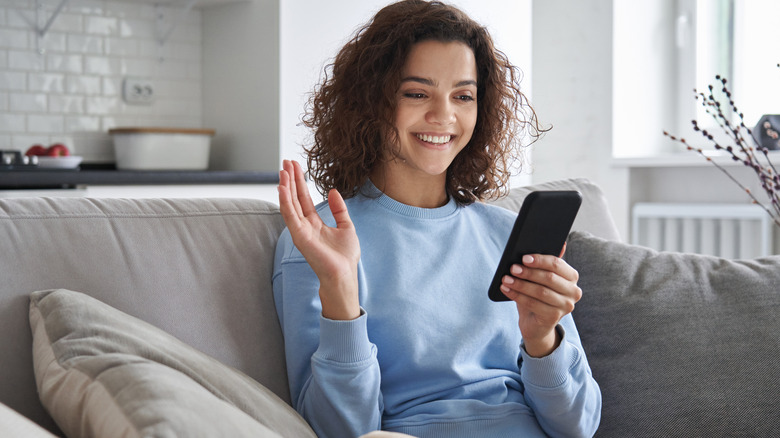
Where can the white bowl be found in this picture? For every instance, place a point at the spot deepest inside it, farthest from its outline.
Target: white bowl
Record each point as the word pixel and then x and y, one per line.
pixel 161 148
pixel 67 162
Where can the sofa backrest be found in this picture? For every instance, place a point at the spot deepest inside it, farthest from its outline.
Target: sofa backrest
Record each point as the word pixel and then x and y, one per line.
pixel 199 269
pixel 593 216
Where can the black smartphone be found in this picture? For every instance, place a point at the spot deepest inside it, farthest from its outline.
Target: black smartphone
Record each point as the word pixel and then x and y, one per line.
pixel 541 227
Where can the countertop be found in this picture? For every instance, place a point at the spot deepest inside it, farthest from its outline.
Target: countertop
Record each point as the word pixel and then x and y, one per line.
pixel 102 175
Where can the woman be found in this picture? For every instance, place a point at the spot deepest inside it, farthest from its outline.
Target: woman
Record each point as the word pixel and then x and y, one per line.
pixel 381 292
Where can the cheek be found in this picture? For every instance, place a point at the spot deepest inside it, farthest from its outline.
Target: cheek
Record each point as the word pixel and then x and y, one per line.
pixel 470 122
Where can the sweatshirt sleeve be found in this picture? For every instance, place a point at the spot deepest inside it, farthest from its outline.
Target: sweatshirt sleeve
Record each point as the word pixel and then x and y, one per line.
pixel 332 366
pixel 560 387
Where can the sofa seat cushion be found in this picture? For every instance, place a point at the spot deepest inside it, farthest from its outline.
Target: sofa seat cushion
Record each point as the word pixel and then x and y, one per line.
pixel 681 344
pixel 101 373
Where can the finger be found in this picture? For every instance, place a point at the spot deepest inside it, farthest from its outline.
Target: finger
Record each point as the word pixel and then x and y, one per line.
pixel 302 191
pixel 290 169
pixel 339 209
pixel 538 294
pixel 553 264
pixel 286 206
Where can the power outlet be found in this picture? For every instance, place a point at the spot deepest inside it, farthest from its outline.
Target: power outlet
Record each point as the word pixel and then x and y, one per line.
pixel 137 91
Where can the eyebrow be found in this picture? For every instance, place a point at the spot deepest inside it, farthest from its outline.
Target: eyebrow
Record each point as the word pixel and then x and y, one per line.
pixel 430 82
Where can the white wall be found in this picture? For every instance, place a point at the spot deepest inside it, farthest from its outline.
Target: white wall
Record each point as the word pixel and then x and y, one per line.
pixel 241 84
pixel 572 89
pixel 71 93
pixel 312 32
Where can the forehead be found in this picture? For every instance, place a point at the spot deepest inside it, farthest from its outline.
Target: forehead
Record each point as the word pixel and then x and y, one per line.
pixel 441 61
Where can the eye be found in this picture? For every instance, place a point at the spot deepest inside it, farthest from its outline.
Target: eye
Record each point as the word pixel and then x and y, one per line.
pixel 465 98
pixel 414 95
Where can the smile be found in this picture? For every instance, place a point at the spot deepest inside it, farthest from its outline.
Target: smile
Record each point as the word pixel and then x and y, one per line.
pixel 435 139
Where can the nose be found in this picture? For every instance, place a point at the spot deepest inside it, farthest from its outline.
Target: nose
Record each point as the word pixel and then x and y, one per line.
pixel 441 112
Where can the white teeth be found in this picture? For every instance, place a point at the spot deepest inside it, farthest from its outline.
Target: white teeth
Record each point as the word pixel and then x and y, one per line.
pixel 436 139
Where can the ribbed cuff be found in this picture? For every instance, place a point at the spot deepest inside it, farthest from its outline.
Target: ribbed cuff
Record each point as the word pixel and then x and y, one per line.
pixel 552 370
pixel 345 341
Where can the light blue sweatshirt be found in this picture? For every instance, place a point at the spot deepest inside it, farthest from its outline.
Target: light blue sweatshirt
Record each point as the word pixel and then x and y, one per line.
pixel 430 355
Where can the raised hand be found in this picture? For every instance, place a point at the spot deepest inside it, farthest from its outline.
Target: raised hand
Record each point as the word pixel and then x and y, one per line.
pixel 545 290
pixel 333 253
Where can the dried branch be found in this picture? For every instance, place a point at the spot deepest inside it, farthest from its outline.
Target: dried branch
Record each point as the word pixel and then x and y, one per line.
pixel 744 147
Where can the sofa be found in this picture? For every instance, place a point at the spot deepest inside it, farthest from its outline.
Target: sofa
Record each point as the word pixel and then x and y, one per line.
pixel 155 317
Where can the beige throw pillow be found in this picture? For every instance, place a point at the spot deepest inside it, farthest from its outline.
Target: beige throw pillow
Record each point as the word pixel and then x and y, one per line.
pixel 101 373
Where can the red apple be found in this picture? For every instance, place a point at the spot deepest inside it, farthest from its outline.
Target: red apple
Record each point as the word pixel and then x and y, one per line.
pixel 57 150
pixel 36 149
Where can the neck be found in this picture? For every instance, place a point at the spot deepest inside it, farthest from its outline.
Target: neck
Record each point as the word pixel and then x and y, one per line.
pixel 427 191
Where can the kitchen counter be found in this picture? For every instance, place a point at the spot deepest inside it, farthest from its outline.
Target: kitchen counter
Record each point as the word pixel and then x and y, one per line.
pixel 86 176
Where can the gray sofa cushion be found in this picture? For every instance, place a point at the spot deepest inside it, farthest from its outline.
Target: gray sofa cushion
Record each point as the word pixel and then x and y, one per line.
pixel 193 267
pixel 681 344
pixel 103 373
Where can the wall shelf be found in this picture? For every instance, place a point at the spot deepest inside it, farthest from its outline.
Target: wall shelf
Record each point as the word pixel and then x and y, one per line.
pixel 685 159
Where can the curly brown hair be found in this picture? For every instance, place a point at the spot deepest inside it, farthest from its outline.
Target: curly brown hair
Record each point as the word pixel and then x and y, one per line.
pixel 352 114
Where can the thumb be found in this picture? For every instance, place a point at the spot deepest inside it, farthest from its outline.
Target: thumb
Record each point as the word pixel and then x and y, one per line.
pixel 563 250
pixel 339 209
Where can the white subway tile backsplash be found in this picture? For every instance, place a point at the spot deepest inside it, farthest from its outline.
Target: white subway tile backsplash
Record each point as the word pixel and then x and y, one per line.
pixel 59 103
pixel 45 124
pixel 28 102
pixel 103 105
pixel 14 38
pixel 101 25
pixel 10 122
pixel 112 86
pixel 66 22
pixel 121 47
pixel 46 82
pixel 137 28
pixel 67 86
pixel 51 42
pixel 90 85
pixel 23 142
pixel 85 44
pixel 65 63
pixel 101 65
pixel 88 7
pixel 30 61
pixel 20 18
pixel 13 80
pixel 143 67
pixel 82 123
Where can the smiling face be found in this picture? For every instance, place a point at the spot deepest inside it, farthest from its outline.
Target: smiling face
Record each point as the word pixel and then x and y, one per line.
pixel 435 118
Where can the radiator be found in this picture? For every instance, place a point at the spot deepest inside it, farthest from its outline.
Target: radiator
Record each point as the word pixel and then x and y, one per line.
pixel 724 230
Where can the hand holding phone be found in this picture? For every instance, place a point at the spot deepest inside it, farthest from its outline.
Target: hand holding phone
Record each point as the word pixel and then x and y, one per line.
pixel 541 227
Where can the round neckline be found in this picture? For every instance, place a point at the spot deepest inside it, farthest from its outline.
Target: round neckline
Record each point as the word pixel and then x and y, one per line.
pixel 372 192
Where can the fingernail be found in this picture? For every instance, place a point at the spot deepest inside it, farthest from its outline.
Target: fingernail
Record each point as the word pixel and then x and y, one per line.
pixel 504 288
pixel 508 280
pixel 528 259
pixel 516 269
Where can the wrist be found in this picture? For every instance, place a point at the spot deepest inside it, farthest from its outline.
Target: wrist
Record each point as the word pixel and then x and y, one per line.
pixel 543 346
pixel 340 300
